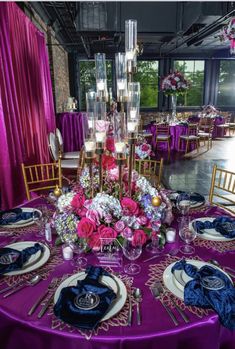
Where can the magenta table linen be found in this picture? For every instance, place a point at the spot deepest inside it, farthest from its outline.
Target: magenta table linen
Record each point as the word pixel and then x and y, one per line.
pixel 26 104
pixel 71 126
pixel 18 330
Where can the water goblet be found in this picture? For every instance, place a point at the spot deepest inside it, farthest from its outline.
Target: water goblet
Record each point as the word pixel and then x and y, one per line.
pixel 41 219
pixel 187 235
pixel 154 246
pixel 183 203
pixel 132 250
pixel 78 248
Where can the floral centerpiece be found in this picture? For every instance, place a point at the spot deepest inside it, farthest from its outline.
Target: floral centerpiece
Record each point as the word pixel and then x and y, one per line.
pixel 209 110
pixel 228 33
pixel 174 84
pixel 105 216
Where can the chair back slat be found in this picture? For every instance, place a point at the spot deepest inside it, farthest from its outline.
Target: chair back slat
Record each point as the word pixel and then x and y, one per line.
pixel 223 187
pixel 162 129
pixel 148 168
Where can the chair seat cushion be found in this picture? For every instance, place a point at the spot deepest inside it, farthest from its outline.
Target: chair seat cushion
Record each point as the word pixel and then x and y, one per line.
pixel 163 137
pixel 191 137
pixel 71 155
pixel 223 125
pixel 204 134
pixel 72 163
pixel 231 124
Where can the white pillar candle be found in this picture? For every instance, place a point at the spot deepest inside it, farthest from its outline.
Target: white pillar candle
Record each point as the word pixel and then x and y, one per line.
pixel 131 126
pixel 130 55
pixel 90 123
pixel 120 84
pixel 133 113
pixel 67 252
pixel 90 146
pixel 120 147
pixel 100 136
pixel 170 235
pixel 100 85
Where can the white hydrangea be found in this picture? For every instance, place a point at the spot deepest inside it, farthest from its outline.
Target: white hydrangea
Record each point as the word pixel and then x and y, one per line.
pixel 65 200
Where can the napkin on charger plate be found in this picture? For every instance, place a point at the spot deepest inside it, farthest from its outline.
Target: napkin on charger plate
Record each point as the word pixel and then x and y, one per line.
pixel 221 300
pixel 85 304
pixel 223 225
pixel 11 259
pixel 14 215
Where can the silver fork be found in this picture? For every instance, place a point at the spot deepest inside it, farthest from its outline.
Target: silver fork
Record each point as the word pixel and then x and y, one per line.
pixel 156 292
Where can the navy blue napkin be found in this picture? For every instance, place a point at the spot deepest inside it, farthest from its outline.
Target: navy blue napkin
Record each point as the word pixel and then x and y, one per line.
pixel 194 197
pixel 85 304
pixel 11 259
pixel 223 225
pixel 222 300
pixel 13 216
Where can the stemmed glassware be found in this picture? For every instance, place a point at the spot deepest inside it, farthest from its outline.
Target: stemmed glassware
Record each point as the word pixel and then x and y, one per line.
pixel 79 248
pixel 183 203
pixel 132 250
pixel 187 235
pixel 154 246
pixel 41 220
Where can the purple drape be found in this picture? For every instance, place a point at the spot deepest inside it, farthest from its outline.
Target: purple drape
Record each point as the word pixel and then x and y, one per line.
pixel 26 103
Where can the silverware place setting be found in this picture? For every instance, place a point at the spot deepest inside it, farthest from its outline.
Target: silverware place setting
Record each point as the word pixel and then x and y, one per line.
pixel 32 282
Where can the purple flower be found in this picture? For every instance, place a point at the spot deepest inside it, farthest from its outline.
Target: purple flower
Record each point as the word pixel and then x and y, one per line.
pixel 119 226
pixel 127 233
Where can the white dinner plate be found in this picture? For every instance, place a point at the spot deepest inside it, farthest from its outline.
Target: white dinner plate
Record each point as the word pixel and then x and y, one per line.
pixel 34 262
pixel 25 222
pixel 175 282
pixel 209 234
pixel 114 283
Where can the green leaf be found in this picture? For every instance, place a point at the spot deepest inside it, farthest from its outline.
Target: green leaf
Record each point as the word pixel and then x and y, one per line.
pixel 58 241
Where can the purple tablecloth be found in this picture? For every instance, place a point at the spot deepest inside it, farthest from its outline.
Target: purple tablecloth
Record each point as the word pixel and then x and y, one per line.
pixel 18 330
pixel 71 126
pixel 175 131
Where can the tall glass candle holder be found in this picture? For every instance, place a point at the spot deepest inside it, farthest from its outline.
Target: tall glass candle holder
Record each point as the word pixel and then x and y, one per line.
pixel 121 76
pixel 101 77
pixel 101 125
pixel 89 149
pixel 130 43
pixel 120 145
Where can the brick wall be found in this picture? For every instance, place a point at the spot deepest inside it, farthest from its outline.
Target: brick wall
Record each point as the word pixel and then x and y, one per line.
pixel 58 59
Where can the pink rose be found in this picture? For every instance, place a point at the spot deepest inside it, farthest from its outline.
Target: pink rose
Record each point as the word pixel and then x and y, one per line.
pixel 129 206
pixel 110 144
pixel 119 226
pixel 85 227
pixel 108 218
pixel 127 233
pixel 144 147
pixel 139 237
pixel 107 232
pixel 101 125
pixel 94 216
pixel 113 174
pixel 87 203
pixel 78 202
pixel 94 241
pixel 142 220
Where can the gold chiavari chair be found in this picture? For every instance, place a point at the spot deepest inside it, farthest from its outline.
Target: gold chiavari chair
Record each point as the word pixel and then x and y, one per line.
pixel 151 169
pixel 41 177
pixel 163 136
pixel 206 136
pixel 222 191
pixel 190 137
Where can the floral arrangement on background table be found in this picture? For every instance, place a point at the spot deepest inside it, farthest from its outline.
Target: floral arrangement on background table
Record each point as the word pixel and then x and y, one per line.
pixel 106 216
pixel 174 84
pixel 209 110
pixel 228 33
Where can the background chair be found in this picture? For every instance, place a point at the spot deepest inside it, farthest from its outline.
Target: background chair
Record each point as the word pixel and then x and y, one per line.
pixel 190 137
pixel 54 148
pixel 150 169
pixel 163 136
pixel 225 125
pixel 222 191
pixel 41 177
pixel 206 135
pixel 65 155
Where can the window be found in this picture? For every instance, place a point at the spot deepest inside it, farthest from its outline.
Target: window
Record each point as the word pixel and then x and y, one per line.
pixel 147 75
pixel 226 87
pixel 87 79
pixel 194 72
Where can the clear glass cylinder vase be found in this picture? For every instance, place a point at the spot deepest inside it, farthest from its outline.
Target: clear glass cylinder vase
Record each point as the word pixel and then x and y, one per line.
pixel 174 103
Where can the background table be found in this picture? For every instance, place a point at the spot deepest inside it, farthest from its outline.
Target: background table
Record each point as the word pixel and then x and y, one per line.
pixel 18 330
pixel 72 127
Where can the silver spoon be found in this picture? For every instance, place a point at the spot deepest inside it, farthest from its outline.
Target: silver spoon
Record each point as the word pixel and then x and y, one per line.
pixel 138 297
pixel 216 263
pixel 35 279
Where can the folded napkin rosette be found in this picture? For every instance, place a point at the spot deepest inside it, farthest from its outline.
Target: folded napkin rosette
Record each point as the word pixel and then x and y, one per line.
pixel 223 225
pixel 194 197
pixel 14 216
pixel 197 292
pixel 11 259
pixel 85 304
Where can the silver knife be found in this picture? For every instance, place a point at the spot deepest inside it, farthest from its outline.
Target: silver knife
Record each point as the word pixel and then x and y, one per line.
pixel 40 299
pixel 46 306
pixel 8 288
pixel 130 312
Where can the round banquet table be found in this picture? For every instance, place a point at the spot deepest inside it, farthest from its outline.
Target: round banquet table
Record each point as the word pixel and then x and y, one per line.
pixel 18 330
pixel 71 126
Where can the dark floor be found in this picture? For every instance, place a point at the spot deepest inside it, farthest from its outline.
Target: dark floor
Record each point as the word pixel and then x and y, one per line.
pixel 193 171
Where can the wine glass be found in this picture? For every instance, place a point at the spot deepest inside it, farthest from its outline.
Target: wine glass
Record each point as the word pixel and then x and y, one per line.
pixel 187 235
pixel 154 246
pixel 132 250
pixel 183 203
pixel 78 248
pixel 41 219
